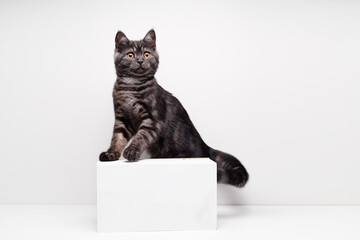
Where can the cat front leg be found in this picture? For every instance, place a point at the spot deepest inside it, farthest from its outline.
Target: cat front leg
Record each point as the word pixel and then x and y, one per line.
pixel 143 138
pixel 118 142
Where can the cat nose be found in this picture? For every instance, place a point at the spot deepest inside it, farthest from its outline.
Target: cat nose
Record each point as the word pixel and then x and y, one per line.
pixel 140 61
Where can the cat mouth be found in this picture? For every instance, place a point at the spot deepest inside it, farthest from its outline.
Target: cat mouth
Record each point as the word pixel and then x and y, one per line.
pixel 140 70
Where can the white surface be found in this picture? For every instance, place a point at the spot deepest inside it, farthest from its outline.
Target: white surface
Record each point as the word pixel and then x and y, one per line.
pixel 275 83
pixel 156 194
pixel 234 222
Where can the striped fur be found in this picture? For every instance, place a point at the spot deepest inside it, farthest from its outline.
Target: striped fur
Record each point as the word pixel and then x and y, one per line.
pixel 152 118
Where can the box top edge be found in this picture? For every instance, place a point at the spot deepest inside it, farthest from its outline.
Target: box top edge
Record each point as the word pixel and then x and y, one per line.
pixel 161 161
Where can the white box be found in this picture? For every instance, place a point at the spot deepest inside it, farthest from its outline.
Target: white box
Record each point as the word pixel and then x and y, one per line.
pixel 157 194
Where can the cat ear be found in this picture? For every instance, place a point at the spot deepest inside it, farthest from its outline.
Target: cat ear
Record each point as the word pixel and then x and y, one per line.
pixel 150 38
pixel 121 40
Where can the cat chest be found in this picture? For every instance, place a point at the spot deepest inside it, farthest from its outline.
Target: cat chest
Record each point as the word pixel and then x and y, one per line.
pixel 132 107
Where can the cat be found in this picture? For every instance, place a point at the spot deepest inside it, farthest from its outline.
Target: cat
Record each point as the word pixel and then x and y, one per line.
pixel 153 118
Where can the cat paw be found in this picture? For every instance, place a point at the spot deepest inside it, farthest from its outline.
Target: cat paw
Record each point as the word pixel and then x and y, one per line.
pixel 108 156
pixel 132 153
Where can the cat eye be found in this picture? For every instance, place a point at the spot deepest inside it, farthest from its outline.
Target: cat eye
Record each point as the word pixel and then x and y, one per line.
pixel 146 54
pixel 130 55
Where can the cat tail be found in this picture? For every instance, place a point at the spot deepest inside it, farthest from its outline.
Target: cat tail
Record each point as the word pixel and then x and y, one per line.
pixel 229 169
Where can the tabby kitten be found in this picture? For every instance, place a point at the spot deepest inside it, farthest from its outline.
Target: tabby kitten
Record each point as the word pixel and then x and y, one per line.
pixel 153 118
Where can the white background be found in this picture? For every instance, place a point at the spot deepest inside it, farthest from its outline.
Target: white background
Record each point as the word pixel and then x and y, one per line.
pixel 272 82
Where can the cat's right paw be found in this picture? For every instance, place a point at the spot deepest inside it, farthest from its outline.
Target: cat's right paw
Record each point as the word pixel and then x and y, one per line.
pixel 108 156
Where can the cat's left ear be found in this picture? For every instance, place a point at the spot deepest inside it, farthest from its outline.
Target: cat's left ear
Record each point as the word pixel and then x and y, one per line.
pixel 150 39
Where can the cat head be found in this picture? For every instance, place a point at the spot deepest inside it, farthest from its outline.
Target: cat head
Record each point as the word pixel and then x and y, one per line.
pixel 136 59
